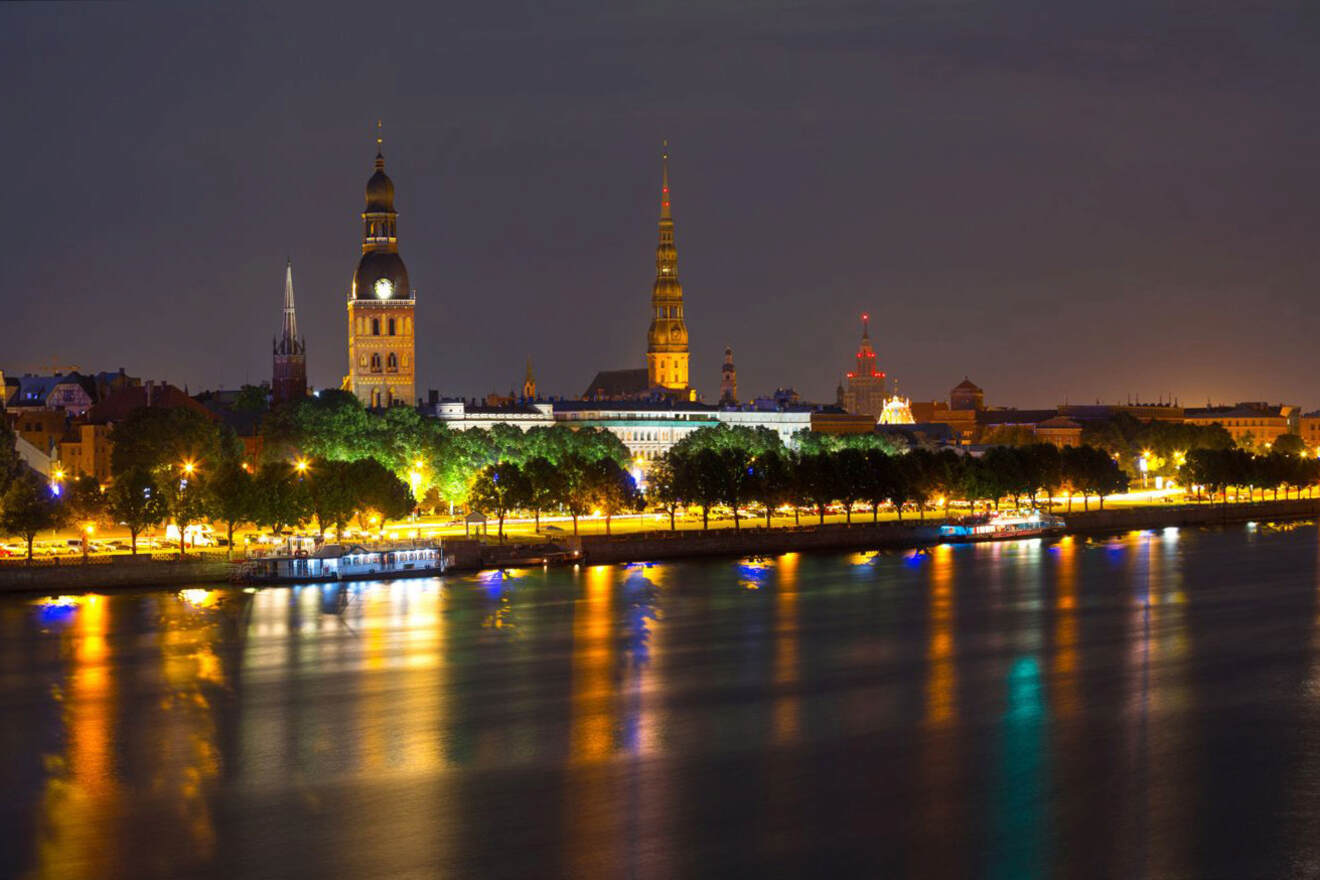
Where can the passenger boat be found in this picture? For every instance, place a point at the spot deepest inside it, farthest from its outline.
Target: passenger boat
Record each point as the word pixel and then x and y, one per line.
pixel 342 562
pixel 1003 525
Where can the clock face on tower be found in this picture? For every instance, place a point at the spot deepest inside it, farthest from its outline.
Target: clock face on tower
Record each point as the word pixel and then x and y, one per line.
pixel 384 288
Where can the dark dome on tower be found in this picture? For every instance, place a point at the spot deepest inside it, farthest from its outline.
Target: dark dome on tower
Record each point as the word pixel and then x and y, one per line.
pixel 378 266
pixel 380 190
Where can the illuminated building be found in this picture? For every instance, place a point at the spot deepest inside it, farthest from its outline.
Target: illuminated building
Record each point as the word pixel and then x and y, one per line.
pixel 728 379
pixel 897 411
pixel 1250 423
pixel 381 328
pixel 289 379
pixel 667 339
pixel 864 393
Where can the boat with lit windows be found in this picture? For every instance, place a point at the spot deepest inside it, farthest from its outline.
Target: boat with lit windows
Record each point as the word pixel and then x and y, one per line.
pixel 1004 525
pixel 344 562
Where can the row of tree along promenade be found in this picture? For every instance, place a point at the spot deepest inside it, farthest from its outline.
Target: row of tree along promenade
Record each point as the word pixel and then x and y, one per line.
pixel 336 470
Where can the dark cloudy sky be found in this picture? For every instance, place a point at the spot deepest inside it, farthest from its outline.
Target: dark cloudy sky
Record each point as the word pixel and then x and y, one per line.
pixel 1059 199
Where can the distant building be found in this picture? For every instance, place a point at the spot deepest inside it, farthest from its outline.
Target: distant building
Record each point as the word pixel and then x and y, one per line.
pixel 289 377
pixel 1060 430
pixel 897 411
pixel 728 379
pixel 649 428
pixel 619 385
pixel 1308 426
pixel 381 305
pixel 864 391
pixel 529 383
pixel 1249 423
pixel 966 396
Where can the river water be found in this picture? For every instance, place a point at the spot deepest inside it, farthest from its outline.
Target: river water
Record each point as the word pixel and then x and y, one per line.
pixel 1139 706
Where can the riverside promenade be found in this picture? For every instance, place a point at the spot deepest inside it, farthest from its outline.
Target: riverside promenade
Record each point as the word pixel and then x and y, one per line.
pixel 127 572
pixel 645 546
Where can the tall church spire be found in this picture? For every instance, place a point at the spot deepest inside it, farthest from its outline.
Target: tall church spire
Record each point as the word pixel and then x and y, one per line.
pixel 290 316
pixel 289 379
pixel 667 339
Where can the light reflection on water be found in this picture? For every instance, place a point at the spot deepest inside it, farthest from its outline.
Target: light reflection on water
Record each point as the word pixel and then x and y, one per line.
pixel 991 709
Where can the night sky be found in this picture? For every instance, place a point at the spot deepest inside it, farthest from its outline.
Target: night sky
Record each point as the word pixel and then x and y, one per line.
pixel 1059 200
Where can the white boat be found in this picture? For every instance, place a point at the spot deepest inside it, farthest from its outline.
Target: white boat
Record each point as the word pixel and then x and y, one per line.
pixel 339 562
pixel 1004 525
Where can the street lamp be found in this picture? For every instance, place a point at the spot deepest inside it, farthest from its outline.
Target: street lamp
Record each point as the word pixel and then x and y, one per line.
pixel 301 465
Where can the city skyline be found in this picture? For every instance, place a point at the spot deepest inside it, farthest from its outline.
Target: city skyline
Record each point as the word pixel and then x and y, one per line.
pixel 991 233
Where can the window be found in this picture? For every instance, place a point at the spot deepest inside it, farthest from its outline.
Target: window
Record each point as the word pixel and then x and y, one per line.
pixel 391 326
pixel 375 363
pixel 375 326
pixel 392 364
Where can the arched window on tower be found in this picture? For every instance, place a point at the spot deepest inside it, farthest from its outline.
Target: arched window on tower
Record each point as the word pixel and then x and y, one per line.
pixel 375 326
pixel 392 363
pixel 375 363
pixel 391 326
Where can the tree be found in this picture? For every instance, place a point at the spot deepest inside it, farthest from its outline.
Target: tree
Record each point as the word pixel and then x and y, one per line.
pixel 771 481
pixel 1289 444
pixel 85 502
pixel 29 507
pixel 614 489
pixel 9 458
pixel 231 498
pixel 376 488
pixel 135 502
pixel 815 478
pixel 331 494
pixel 544 486
pixel 281 500
pixel 578 487
pixel 1044 470
pixel 664 484
pixel 878 485
pixel 849 475
pixel 498 489
pixel 161 440
pixel 186 499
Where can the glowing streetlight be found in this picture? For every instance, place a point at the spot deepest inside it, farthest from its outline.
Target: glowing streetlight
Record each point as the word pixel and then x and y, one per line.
pixel 301 465
pixel 188 468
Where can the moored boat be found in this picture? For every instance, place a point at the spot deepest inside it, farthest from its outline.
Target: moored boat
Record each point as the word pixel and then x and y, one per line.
pixel 1003 525
pixel 341 562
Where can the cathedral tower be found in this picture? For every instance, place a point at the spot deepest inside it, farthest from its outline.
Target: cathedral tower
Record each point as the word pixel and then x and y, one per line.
pixel 381 341
pixel 667 340
pixel 289 380
pixel 728 379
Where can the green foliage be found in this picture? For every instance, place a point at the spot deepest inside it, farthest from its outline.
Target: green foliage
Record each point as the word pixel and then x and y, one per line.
pixel 613 489
pixel 231 497
pixel 161 440
pixel 10 462
pixel 1289 444
pixel 1166 442
pixel 135 501
pixel 814 442
pixel 281 499
pixel 253 399
pixel 28 507
pixel 85 502
pixel 498 489
pixel 545 486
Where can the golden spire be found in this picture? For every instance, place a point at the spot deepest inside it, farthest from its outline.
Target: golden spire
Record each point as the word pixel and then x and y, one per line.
pixel 380 145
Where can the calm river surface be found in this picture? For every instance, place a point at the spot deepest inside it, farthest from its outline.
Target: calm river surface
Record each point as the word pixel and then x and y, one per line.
pixel 1140 706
